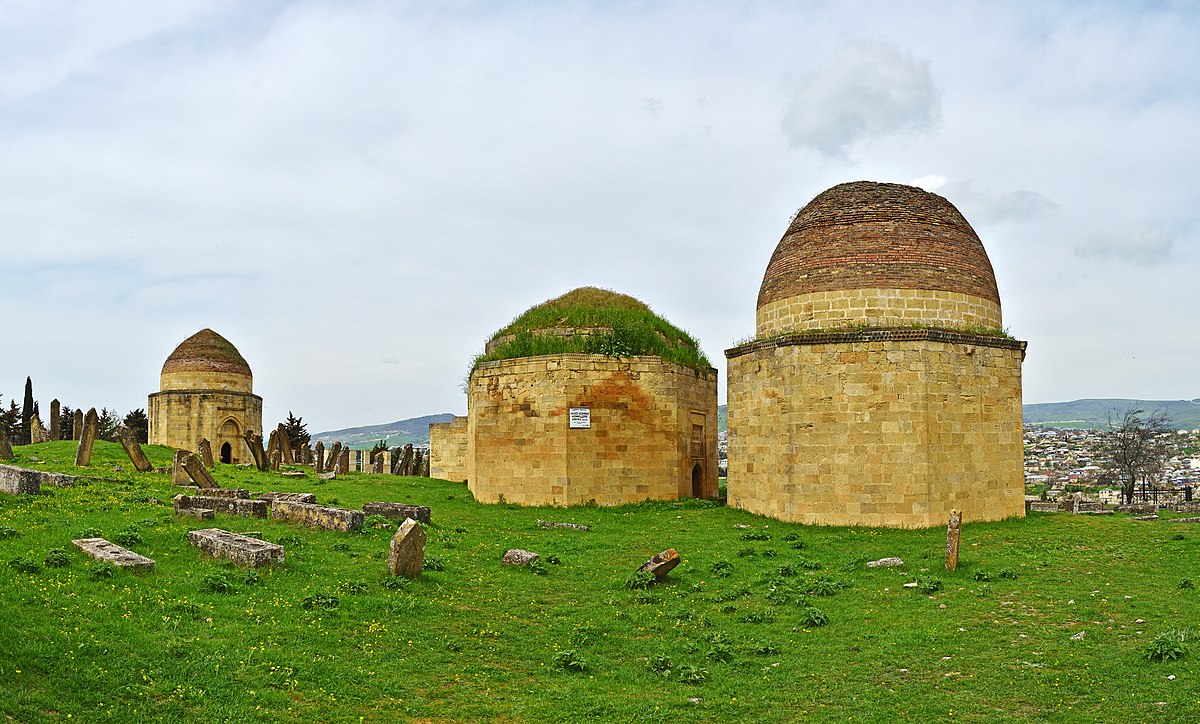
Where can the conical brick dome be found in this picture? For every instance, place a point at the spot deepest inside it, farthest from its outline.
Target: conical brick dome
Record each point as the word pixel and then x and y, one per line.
pixel 206 360
pixel 878 254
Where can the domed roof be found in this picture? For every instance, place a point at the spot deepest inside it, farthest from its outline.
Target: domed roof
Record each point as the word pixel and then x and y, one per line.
pixel 206 351
pixel 577 308
pixel 867 235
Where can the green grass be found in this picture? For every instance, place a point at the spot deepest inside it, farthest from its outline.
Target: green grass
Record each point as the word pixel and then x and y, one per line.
pixel 771 622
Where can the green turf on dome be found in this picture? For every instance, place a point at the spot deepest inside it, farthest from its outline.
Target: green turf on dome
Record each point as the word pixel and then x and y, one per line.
pixel 614 324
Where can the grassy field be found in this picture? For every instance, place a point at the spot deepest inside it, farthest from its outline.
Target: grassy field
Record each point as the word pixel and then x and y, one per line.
pixel 762 621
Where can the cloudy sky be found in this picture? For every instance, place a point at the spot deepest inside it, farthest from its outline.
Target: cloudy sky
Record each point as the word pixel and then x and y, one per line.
pixel 357 194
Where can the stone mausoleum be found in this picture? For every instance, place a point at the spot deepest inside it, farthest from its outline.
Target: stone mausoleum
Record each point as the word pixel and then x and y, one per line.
pixel 589 397
pixel 206 390
pixel 880 389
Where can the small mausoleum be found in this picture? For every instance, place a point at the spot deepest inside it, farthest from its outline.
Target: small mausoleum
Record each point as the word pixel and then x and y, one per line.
pixel 206 390
pixel 587 398
pixel 881 389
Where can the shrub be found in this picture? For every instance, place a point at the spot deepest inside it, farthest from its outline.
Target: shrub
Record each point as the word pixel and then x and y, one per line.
pixel 756 535
pixel 537 567
pixel 1169 645
pixel 639 580
pixel 747 553
pixel 808 565
pixel 57 558
pixel 25 564
pixel 766 616
pixel 661 664
pixel 322 601
pixel 929 585
pixel 1186 584
pixel 554 560
pixel 216 583
pixel 813 618
pixel 689 674
pixel 100 570
pixel 376 522
pixel 823 586
pixel 569 660
pixel 722 569
pixel 131 536
pixel 982 576
pixel 788 571
pixel 433 563
pixel 769 553
pixel 1008 574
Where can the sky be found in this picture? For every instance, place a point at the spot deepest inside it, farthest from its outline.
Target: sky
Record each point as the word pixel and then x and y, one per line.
pixel 358 194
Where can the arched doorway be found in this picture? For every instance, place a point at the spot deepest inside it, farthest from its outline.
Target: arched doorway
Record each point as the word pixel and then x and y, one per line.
pixel 226 453
pixel 697 481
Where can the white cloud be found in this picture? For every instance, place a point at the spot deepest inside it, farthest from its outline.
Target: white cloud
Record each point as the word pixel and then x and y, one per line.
pixel 868 90
pixel 991 207
pixel 1145 246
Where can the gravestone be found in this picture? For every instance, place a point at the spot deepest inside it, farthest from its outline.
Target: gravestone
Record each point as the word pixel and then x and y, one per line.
pixel 272 442
pixel 201 513
pixel 293 497
pixel 134 450
pixel 518 557
pixel 232 506
pixel 891 562
pixel 661 564
pixel 241 549
pixel 398 511
pixel 319 464
pixel 91 430
pixel 285 445
pixel 197 472
pixel 550 524
pixel 37 433
pixel 1042 506
pixel 77 425
pixel 6 451
pixel 206 456
pixel 425 467
pixel 377 463
pixel 241 493
pixel 317 516
pixel 406 553
pixel 344 460
pixel 254 442
pixel 406 459
pixel 274 458
pixel 953 531
pixel 106 552
pixel 179 476
pixel 55 412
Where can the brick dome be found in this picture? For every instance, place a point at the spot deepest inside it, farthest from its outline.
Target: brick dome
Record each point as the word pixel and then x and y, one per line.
pixel 206 359
pixel 878 254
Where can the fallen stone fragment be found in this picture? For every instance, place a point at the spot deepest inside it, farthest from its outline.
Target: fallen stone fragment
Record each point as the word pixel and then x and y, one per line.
pixel 885 563
pixel 399 511
pixel 240 549
pixel 201 513
pixel 568 526
pixel 292 474
pixel 661 564
pixel 1144 517
pixel 1079 636
pixel 317 516
pixel 1184 520
pixel 179 476
pixel 331 475
pixel 233 506
pixel 22 480
pixel 406 554
pixel 198 473
pixel 911 584
pixel 293 497
pixel 106 552
pixel 518 557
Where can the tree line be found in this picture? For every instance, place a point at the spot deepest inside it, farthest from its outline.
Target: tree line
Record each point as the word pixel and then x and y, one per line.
pixel 16 420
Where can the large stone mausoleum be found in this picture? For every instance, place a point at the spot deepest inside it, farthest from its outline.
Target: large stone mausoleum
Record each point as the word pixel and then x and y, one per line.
pixel 206 390
pixel 589 397
pixel 880 389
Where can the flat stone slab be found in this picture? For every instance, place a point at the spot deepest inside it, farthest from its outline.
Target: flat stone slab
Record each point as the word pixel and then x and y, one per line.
pixel 399 511
pixel 242 550
pixel 22 480
pixel 1043 506
pixel 518 557
pixel 1144 517
pixel 885 563
pixel 317 516
pixel 106 552
pixel 201 513
pixel 194 490
pixel 1185 520
pixel 290 497
pixel 233 506
pixel 569 526
pixel 661 564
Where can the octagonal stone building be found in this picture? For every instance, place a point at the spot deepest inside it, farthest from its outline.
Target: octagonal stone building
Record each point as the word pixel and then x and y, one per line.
pixel 206 390
pixel 588 398
pixel 880 389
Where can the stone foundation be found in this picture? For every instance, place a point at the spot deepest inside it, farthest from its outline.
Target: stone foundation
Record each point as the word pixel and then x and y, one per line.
pixel 317 516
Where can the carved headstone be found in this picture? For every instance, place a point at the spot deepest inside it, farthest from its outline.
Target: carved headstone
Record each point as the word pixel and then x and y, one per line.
pixel 406 554
pixel 285 445
pixel 134 450
pixel 319 464
pixel 6 451
pixel 77 425
pixel 254 442
pixel 272 442
pixel 344 461
pixel 425 467
pixel 661 564
pixel 179 476
pixel 274 458
pixel 55 411
pixel 953 530
pixel 37 433
pixel 206 457
pixel 91 431
pixel 197 472
pixel 406 459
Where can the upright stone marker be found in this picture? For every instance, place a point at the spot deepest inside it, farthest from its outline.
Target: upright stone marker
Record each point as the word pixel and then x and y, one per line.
pixel 344 461
pixel 285 445
pixel 406 554
pixel 406 459
pixel 77 425
pixel 254 442
pixel 319 465
pixel 6 452
pixel 37 433
pixel 952 533
pixel 179 476
pixel 55 411
pixel 134 450
pixel 274 458
pixel 206 457
pixel 335 455
pixel 91 431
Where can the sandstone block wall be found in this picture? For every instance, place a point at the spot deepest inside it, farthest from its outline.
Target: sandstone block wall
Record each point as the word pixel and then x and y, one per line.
pixel 179 418
pixel 878 308
pixel 840 430
pixel 653 427
pixel 448 450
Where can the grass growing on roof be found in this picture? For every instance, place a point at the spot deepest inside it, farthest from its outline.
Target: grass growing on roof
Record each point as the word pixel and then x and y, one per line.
pixel 618 326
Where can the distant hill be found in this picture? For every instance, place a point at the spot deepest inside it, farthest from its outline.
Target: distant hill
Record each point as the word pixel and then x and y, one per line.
pixel 1094 414
pixel 414 430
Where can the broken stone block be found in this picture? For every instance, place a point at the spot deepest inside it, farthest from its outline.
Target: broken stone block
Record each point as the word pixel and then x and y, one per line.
pixel 331 475
pixel 179 476
pixel 293 497
pixel 518 557
pixel 242 550
pixel 406 554
pixel 661 564
pixel 6 451
pixel 317 516
pixel 106 552
pixel 885 563
pixel 134 450
pixel 201 513
pixel 215 492
pixel 206 456
pixel 293 474
pixel 233 506
pixel 21 480
pixel 569 526
pixel 399 511
pixel 197 472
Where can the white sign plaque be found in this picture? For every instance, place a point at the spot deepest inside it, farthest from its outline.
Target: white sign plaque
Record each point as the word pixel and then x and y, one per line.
pixel 581 418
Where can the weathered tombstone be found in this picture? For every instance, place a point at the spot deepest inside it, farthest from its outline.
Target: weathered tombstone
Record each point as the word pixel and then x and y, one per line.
pixel 377 463
pixel 91 430
pixel 317 516
pixel 425 467
pixel 331 462
pixel 6 451
pixel 55 410
pixel 406 459
pixel 134 450
pixel 197 472
pixel 37 433
pixel 254 442
pixel 275 458
pixel 294 497
pixel 77 425
pixel 406 554
pixel 399 511
pixel 319 465
pixel 331 475
pixel 272 442
pixel 344 462
pixel 106 552
pixel 891 562
pixel 240 549
pixel 232 506
pixel 661 564
pixel 179 476
pixel 285 445
pixel 518 557
pixel 550 524
pixel 953 530
pixel 205 452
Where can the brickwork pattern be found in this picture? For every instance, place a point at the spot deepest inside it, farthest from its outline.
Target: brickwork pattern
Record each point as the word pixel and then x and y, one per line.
pixel 639 445
pixel 895 432
pixel 867 235
pixel 180 418
pixel 448 450
pixel 876 307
